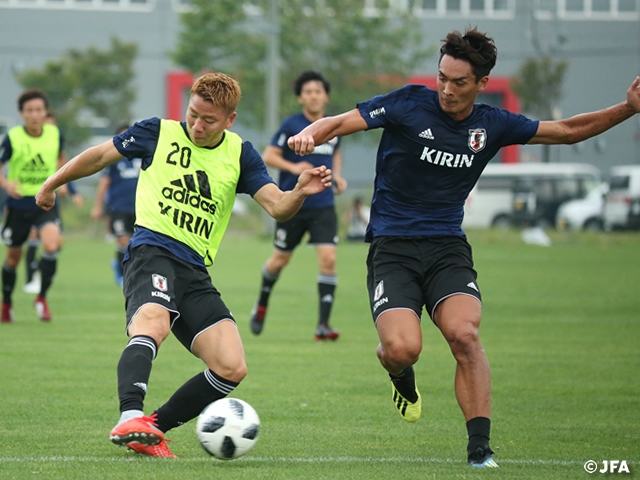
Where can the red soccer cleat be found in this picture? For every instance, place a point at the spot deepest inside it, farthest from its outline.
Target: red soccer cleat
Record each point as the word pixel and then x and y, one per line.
pixel 42 309
pixel 7 313
pixel 160 450
pixel 139 430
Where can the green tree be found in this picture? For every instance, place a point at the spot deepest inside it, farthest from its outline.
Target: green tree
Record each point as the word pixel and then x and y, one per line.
pixel 538 85
pixel 360 55
pixel 95 83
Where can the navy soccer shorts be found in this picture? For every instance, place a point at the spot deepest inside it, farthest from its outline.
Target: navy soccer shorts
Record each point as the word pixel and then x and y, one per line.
pixel 321 223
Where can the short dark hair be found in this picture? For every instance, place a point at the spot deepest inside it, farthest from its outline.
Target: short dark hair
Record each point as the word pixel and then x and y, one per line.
pixel 30 94
pixel 474 47
pixel 309 76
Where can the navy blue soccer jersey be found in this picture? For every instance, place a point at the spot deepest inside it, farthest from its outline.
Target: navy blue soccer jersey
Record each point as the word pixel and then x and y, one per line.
pixel 427 163
pixel 322 155
pixel 123 176
pixel 253 176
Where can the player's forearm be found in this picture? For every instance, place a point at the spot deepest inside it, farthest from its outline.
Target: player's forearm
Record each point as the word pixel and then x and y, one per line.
pixel 288 205
pixel 84 165
pixel 586 125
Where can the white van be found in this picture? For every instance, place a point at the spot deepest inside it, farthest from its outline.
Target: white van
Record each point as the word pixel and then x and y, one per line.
pixel 622 203
pixel 524 193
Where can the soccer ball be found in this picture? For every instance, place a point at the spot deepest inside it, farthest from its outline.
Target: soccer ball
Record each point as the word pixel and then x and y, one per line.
pixel 228 428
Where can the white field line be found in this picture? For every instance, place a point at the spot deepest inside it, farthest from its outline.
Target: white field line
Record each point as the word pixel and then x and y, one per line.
pixel 71 459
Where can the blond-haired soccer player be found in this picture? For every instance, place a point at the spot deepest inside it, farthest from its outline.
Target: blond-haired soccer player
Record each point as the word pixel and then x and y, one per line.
pixel 191 172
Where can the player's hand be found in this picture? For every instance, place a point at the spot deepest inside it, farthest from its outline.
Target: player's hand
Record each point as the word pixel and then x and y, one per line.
pixel 12 190
pixel 77 200
pixel 63 190
pixel 46 198
pixel 96 212
pixel 314 180
pixel 339 184
pixel 302 144
pixel 298 168
pixel 633 95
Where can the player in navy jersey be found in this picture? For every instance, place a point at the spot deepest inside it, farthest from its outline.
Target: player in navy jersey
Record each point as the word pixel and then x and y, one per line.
pixel 191 172
pixel 434 147
pixel 118 186
pixel 317 215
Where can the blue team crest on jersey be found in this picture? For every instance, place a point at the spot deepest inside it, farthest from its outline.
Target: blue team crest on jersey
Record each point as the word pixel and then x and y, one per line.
pixel 477 139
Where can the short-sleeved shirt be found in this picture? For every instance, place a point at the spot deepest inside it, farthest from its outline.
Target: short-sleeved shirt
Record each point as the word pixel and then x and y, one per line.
pixel 427 162
pixel 253 176
pixel 322 155
pixel 6 152
pixel 123 179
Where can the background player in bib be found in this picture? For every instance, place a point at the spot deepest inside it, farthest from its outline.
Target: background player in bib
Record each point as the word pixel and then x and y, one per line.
pixel 317 215
pixel 33 281
pixel 118 186
pixel 32 152
pixel 191 172
pixel 434 147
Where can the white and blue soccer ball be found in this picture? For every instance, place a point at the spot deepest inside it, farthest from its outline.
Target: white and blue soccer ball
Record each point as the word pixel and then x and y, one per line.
pixel 228 428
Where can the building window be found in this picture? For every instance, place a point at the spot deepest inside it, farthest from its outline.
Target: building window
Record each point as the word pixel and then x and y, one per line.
pixel 624 10
pixel 124 5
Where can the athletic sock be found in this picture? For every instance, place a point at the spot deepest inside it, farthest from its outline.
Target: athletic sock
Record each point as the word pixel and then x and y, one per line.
pixel 405 383
pixel 48 266
pixel 268 280
pixel 8 282
pixel 134 370
pixel 478 430
pixel 326 289
pixel 192 397
pixel 31 263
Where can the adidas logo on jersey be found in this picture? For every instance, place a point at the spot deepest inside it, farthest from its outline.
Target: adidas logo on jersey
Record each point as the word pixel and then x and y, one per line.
pixel 427 134
pixel 472 285
pixel 187 192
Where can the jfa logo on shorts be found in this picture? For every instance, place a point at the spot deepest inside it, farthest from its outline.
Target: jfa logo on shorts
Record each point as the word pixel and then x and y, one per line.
pixel 477 139
pixel 379 291
pixel 159 282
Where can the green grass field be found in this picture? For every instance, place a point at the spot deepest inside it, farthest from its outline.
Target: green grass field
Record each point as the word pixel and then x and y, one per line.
pixel 561 328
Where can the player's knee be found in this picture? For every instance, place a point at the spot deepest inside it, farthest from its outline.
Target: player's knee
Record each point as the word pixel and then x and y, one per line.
pixel 234 371
pixel 402 352
pixel 464 340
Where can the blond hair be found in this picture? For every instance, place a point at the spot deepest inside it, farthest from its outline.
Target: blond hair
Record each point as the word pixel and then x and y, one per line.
pixel 219 89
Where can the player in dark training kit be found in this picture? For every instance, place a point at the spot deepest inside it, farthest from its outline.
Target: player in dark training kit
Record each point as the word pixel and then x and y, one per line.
pixel 190 175
pixel 118 186
pixel 317 215
pixel 434 147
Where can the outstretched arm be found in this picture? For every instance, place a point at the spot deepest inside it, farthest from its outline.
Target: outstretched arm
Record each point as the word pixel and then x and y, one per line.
pixel 87 163
pixel 581 127
pixel 284 205
pixel 325 129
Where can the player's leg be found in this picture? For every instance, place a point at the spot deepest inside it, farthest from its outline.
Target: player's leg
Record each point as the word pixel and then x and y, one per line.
pixel 9 282
pixel 458 318
pixel 396 300
pixel 207 329
pixel 122 225
pixel 455 304
pixel 323 233
pixel 150 312
pixel 327 283
pixel 14 233
pixel 51 239
pixel 33 281
pixel 399 349
pixel 286 238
